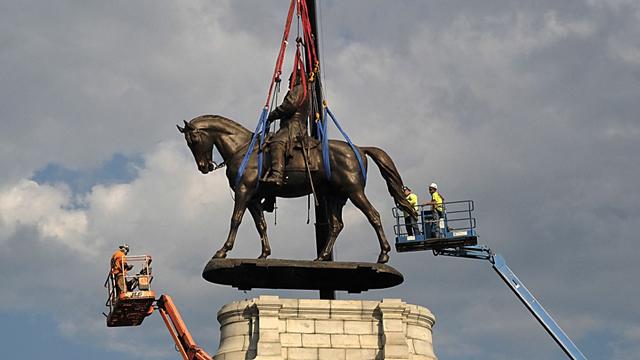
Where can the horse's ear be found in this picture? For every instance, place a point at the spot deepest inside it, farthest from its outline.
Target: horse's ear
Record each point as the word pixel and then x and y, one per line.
pixel 180 129
pixel 188 125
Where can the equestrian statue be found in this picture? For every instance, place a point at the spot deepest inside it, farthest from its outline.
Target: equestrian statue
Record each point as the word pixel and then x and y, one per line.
pixel 296 170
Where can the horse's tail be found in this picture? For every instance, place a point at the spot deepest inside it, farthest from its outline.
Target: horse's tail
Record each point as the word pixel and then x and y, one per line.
pixel 391 176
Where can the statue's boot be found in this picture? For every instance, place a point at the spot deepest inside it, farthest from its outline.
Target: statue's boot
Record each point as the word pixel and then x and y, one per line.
pixel 277 164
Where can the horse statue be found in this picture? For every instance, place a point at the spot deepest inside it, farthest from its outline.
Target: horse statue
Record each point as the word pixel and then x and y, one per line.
pixel 305 163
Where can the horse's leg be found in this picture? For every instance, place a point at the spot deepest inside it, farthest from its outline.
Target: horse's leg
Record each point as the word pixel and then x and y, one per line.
pixel 334 206
pixel 239 207
pixel 258 217
pixel 359 199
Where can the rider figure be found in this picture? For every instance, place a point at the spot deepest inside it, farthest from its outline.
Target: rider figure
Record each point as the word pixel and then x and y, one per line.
pixel 293 113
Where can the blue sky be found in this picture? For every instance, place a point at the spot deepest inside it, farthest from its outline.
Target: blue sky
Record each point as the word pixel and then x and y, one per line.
pixel 529 108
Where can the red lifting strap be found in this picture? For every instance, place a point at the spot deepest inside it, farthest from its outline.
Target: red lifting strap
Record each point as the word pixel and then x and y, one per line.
pixel 312 59
pixel 306 24
pixel 283 46
pixel 298 68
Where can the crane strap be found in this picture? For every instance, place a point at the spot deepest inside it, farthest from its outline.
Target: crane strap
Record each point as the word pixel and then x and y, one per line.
pixel 324 138
pixel 261 128
pixel 283 47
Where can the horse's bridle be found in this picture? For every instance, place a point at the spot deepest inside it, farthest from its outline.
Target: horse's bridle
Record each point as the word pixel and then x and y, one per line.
pixel 217 166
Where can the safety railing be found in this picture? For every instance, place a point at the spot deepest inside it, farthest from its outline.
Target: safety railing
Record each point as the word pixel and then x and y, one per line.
pixel 132 279
pixel 457 216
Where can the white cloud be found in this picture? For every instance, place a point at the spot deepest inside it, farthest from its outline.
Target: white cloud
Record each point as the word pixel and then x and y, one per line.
pixel 49 209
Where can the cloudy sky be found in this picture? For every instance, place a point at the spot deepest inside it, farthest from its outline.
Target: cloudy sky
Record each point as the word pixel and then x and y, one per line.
pixel 528 107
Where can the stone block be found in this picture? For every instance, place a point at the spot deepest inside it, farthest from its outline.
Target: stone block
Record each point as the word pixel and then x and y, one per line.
pixel 231 356
pixel 346 309
pixel 396 351
pixel 332 354
pixel 291 340
pixel 416 332
pixel 393 325
pixel 235 329
pixel 234 343
pixel 345 341
pixel 316 340
pixel 269 322
pixel 370 309
pixel 371 341
pixel 314 309
pixel 329 326
pixel 302 354
pixel 423 347
pixel 270 336
pixel 422 357
pixel 269 349
pixel 305 326
pixel 289 308
pixel 361 354
pixel 395 338
pixel 358 327
pixel 412 349
pixel 314 304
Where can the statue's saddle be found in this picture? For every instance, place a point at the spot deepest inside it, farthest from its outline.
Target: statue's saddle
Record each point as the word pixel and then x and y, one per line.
pixel 302 146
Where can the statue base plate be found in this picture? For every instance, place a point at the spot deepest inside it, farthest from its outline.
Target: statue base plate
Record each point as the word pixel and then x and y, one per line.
pixel 354 277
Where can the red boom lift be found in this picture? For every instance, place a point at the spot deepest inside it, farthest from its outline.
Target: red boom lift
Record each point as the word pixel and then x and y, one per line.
pixel 131 307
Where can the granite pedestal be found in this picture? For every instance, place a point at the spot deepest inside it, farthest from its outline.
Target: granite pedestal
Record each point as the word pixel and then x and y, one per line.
pixel 270 328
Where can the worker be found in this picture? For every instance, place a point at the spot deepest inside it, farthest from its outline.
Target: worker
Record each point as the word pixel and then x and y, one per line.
pixel 409 220
pixel 293 113
pixel 437 207
pixel 119 268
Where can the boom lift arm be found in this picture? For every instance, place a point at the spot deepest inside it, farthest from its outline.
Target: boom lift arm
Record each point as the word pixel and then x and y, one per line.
pixel 178 330
pixel 521 291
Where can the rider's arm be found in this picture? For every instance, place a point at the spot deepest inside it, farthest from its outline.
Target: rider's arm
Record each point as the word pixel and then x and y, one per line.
pixel 289 105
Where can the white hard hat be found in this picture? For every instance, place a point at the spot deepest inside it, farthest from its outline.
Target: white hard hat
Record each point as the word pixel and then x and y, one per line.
pixel 125 248
pixel 434 185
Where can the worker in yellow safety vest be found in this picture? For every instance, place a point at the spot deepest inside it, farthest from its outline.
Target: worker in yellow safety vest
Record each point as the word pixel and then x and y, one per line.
pixel 119 268
pixel 437 206
pixel 409 221
pixel 436 200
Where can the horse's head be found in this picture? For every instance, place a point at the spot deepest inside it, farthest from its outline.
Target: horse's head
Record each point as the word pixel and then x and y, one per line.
pixel 201 145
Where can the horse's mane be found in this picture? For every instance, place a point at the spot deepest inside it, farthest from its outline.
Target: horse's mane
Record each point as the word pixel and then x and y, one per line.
pixel 206 121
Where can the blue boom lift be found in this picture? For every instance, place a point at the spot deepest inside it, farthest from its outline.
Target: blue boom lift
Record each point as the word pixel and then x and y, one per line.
pixel 454 234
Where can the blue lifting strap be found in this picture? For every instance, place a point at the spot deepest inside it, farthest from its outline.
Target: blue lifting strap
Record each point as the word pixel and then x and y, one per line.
pixel 322 132
pixel 261 129
pixel 324 140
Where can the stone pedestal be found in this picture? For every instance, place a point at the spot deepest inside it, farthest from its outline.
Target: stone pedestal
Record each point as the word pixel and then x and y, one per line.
pixel 270 328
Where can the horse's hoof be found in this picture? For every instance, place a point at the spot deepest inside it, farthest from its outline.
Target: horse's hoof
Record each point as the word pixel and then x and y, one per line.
pixel 265 253
pixel 383 258
pixel 220 254
pixel 322 257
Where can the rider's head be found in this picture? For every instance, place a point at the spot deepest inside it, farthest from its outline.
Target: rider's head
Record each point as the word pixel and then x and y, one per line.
pixel 124 248
pixel 298 78
pixel 433 187
pixel 406 190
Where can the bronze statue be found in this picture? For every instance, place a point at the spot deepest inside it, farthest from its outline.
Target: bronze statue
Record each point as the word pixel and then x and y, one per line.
pixel 346 182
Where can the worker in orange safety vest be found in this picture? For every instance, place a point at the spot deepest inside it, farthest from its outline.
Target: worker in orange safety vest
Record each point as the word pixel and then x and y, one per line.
pixel 119 268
